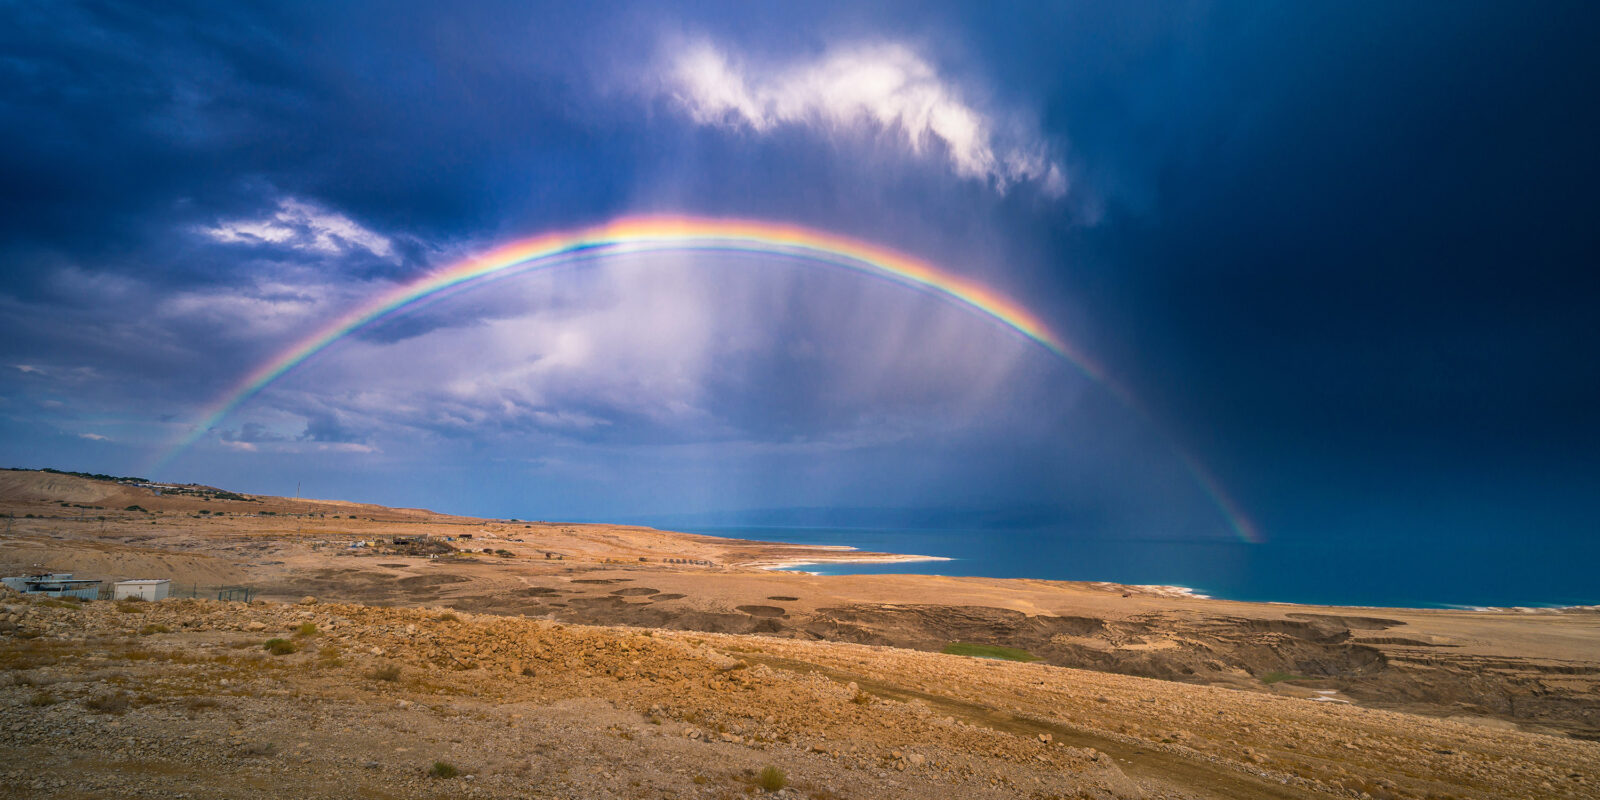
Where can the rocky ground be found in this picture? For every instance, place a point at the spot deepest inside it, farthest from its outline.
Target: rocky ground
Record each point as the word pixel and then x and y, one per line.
pixel 187 698
pixel 714 669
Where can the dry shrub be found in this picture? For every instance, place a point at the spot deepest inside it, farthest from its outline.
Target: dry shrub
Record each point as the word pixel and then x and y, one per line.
pixel 771 779
pixel 113 703
pixel 390 673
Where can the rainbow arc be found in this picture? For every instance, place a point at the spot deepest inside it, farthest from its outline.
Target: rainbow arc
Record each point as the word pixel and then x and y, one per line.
pixel 654 234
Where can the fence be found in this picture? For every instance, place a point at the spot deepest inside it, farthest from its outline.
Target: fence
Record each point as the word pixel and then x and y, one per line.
pixel 194 590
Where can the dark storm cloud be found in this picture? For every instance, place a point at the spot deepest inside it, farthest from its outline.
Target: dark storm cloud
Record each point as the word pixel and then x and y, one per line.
pixel 1342 253
pixel 1365 273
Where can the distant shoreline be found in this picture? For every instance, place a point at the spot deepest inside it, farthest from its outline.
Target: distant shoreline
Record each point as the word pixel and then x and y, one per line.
pixel 1094 568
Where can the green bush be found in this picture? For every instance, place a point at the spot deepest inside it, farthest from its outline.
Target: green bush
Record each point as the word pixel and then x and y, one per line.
pixel 988 651
pixel 1278 676
pixel 279 647
pixel 306 629
pixel 771 778
pixel 443 769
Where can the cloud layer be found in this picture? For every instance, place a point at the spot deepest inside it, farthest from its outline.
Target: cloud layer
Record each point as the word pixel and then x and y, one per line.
pixel 1287 260
pixel 883 89
pixel 302 226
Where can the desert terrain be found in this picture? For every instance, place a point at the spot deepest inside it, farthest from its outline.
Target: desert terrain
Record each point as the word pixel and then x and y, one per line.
pixel 545 659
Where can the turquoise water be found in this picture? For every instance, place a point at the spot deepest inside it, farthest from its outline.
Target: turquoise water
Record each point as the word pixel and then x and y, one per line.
pixel 1393 573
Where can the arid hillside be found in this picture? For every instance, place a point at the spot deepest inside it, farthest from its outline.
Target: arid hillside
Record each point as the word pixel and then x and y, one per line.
pixel 1521 681
pixel 209 699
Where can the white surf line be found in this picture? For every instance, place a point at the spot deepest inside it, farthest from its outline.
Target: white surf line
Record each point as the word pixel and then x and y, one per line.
pixel 776 564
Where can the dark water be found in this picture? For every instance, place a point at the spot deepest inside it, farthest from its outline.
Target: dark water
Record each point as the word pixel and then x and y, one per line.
pixel 1400 574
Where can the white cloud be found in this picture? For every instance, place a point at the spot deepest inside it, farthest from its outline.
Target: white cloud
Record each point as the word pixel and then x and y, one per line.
pixel 303 226
pixel 295 447
pixel 268 309
pixel 93 437
pixel 886 89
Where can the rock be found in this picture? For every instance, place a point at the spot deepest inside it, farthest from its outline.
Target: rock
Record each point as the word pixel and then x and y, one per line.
pixel 1045 737
pixel 256 626
pixel 308 600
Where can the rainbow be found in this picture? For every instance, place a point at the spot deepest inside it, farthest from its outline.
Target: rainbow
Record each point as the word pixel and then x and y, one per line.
pixel 653 234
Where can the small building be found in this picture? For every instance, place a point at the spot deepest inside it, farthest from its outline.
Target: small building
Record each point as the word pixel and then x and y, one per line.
pixel 19 583
pixel 55 584
pixel 146 589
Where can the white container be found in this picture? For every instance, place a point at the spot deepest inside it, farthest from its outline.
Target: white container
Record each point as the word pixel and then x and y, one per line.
pixel 151 590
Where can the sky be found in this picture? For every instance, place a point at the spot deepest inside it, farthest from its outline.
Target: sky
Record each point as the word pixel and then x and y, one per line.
pixel 1331 268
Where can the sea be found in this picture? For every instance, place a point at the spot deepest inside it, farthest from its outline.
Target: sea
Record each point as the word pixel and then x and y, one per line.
pixel 1397 574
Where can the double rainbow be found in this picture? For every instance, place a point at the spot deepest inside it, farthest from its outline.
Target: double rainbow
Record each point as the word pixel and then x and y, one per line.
pixel 652 234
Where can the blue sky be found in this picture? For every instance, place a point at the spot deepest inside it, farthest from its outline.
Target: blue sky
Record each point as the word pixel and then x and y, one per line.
pixel 1341 255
